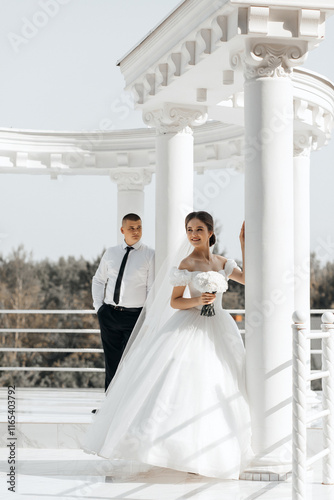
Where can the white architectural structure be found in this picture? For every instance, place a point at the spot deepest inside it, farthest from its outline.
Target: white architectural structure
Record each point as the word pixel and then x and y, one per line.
pixel 219 83
pixel 203 56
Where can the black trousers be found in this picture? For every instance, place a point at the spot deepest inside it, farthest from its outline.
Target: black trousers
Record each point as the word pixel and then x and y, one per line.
pixel 116 327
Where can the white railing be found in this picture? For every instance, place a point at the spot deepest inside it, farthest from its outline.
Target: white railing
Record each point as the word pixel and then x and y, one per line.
pixel 59 330
pixel 73 331
pixel 49 349
pixel 301 377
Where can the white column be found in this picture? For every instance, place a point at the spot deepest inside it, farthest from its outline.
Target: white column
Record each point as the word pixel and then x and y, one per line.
pixel 130 195
pixel 269 250
pixel 174 172
pixel 301 173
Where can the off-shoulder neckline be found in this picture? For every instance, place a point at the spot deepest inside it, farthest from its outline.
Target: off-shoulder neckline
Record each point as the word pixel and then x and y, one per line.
pixel 206 271
pixel 192 272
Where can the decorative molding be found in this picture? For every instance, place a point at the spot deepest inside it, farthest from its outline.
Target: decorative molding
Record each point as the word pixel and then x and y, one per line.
pixel 258 19
pixel 21 159
pixel 102 152
pixel 300 108
pixel 123 159
pixel 311 23
pixel 6 161
pixel 206 25
pixel 195 30
pixel 131 179
pixel 211 151
pixel 228 77
pixel 64 153
pixel 302 144
pixel 236 59
pixel 236 164
pixel 173 118
pixel 180 58
pixel 269 59
pixel 202 95
pixel 317 119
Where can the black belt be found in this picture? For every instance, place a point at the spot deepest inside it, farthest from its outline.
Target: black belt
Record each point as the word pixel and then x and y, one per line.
pixel 126 309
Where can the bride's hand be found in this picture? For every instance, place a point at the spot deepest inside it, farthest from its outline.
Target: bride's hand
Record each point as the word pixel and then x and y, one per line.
pixel 207 298
pixel 242 235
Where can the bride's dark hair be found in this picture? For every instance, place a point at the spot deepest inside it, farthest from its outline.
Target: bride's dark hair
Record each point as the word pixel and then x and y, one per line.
pixel 207 219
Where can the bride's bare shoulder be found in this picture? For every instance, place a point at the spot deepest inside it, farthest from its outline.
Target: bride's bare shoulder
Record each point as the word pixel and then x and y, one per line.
pixel 222 260
pixel 187 264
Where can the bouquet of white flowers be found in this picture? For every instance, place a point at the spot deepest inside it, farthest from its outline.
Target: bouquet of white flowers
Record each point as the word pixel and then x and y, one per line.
pixel 210 282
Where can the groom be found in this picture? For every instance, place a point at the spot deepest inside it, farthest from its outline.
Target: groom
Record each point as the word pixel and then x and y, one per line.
pixel 120 287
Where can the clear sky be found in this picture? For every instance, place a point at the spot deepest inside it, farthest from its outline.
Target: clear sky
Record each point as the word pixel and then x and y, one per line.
pixel 64 77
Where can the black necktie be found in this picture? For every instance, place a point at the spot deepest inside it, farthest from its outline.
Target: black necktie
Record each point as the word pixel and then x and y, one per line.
pixel 120 275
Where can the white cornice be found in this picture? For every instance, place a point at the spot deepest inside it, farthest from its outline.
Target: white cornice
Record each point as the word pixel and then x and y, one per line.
pixel 99 140
pixel 151 32
pixel 191 12
pixel 193 47
pixel 216 145
pixel 108 153
pixel 318 88
pixel 183 19
pixel 173 37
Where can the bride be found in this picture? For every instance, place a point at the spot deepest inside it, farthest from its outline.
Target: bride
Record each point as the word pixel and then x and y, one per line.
pixel 178 399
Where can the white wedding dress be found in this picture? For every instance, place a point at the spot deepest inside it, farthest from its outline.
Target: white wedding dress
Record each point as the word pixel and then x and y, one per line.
pixel 194 416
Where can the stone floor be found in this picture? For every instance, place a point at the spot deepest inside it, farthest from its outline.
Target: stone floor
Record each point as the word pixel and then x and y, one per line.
pixel 50 464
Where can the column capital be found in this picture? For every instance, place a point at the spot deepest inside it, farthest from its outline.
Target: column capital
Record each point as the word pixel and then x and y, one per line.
pixel 269 58
pixel 131 179
pixel 302 144
pixel 173 118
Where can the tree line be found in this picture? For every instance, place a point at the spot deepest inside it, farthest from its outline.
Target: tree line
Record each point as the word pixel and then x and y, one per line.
pixel 66 284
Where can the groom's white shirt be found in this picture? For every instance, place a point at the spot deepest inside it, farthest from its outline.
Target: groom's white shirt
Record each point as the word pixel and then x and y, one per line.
pixel 137 279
